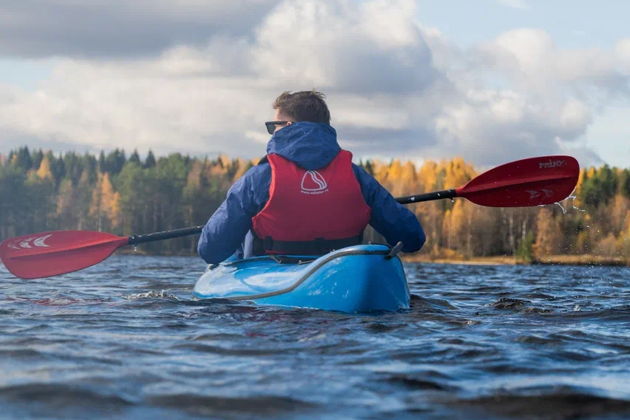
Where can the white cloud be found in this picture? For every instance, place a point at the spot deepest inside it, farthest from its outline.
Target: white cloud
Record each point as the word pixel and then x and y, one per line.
pixel 345 46
pixel 394 88
pixel 120 28
pixel 622 52
pixel 144 105
pixel 516 4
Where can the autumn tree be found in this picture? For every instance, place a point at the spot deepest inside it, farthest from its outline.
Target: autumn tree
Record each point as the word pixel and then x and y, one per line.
pixel 105 204
pixel 548 234
pixel 41 191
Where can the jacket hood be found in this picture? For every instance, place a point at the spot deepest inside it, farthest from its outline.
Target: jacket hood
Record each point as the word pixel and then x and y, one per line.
pixel 309 145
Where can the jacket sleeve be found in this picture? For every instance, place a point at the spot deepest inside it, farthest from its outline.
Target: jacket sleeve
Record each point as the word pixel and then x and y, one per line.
pixel 224 232
pixel 390 218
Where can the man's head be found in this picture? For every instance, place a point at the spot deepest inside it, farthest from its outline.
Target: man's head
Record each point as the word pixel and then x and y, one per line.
pixel 308 105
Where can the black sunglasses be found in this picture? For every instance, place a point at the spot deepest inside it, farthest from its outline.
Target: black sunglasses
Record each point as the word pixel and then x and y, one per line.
pixel 271 125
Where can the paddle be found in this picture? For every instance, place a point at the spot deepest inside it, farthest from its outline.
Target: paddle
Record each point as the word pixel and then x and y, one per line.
pixel 527 182
pixel 47 254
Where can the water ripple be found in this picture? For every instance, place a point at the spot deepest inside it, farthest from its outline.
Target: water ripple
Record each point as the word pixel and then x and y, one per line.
pixel 125 339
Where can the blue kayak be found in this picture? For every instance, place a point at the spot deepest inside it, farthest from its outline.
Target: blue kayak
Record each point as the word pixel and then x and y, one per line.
pixel 360 278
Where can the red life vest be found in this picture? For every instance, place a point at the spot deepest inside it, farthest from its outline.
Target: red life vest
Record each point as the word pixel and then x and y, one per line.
pixel 311 212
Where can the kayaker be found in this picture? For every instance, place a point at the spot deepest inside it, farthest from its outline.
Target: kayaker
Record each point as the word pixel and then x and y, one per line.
pixel 305 197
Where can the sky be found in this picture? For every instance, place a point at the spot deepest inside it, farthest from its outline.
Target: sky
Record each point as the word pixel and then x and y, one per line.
pixel 491 80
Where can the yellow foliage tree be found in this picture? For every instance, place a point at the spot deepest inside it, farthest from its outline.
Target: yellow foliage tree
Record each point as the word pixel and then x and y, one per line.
pixel 241 167
pixel 548 234
pixel 457 229
pixel 65 202
pixel 427 176
pixel 380 171
pixel 105 205
pixel 193 180
pixel 584 173
pixel 216 169
pixel 407 184
pixel 44 172
pixel 223 160
pixel 624 238
pixel 457 173
pixel 617 215
pixel 607 246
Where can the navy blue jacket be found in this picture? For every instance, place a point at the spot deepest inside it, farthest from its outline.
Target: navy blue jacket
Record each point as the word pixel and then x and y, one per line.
pixel 311 146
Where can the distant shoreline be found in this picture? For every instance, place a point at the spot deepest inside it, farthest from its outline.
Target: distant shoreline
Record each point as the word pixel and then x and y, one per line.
pixel 582 260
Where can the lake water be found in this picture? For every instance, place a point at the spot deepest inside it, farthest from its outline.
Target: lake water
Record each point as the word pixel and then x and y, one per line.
pixel 124 339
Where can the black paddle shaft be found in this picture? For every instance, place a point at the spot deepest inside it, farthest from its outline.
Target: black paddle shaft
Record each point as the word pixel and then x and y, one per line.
pixel 158 236
pixel 437 195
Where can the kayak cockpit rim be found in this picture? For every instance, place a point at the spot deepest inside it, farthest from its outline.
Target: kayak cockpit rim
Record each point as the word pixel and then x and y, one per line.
pixel 316 265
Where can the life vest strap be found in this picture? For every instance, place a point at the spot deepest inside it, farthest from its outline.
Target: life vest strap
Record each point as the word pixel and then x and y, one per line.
pixel 318 246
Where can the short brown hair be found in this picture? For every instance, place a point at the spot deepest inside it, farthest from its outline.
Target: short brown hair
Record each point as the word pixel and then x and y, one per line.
pixel 307 105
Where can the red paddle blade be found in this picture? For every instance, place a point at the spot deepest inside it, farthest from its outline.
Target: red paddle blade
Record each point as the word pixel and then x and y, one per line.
pixel 528 182
pixel 50 253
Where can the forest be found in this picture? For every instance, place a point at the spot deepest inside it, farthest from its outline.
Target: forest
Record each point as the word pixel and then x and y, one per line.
pixel 125 195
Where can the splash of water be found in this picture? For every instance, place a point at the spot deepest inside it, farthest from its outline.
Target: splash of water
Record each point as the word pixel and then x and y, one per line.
pixel 571 198
pixel 152 294
pixel 564 211
pixel 573 206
